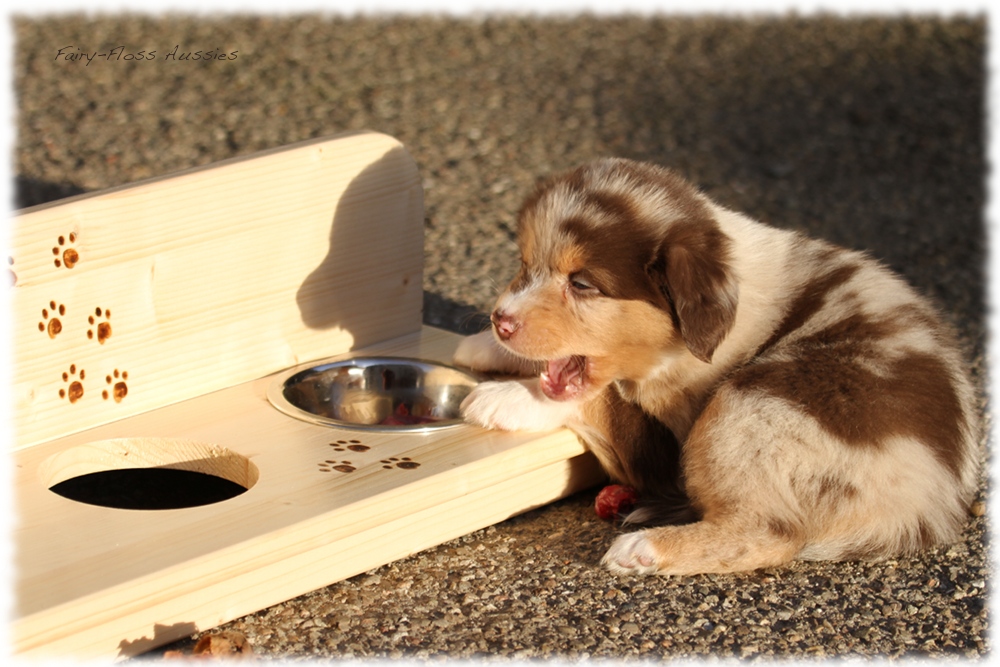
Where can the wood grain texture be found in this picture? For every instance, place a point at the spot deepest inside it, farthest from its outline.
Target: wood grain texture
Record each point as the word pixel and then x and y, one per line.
pixel 99 582
pixel 149 322
pixel 210 278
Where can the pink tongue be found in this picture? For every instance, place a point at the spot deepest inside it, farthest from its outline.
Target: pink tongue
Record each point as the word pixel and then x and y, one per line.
pixel 563 379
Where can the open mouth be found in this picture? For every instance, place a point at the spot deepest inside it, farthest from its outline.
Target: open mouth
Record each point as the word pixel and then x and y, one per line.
pixel 565 378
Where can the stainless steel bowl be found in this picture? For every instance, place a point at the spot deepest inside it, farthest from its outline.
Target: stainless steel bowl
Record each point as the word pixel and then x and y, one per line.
pixel 374 393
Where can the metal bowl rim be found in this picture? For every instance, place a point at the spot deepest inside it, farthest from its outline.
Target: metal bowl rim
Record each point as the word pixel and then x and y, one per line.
pixel 276 397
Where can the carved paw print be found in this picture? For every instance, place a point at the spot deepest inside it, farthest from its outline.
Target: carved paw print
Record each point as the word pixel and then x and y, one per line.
pixel 66 255
pixel 405 463
pixel 117 388
pixel 100 326
pixel 353 445
pixel 343 466
pixel 339 466
pixel 50 319
pixel 74 387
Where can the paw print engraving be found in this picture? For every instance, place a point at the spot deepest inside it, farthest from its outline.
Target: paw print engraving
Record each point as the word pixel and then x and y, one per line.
pixel 66 256
pixel 353 445
pixel 74 387
pixel 405 463
pixel 339 466
pixel 100 326
pixel 117 388
pixel 50 319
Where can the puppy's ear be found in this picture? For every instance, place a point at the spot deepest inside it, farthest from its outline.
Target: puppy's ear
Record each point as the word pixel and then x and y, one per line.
pixel 692 272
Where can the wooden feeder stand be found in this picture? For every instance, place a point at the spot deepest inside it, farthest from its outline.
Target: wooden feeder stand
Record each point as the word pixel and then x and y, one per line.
pixel 148 322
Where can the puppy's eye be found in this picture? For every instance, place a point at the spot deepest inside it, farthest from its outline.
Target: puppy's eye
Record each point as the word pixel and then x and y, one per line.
pixel 581 285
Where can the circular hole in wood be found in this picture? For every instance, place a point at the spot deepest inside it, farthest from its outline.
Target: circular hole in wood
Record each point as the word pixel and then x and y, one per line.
pixel 148 474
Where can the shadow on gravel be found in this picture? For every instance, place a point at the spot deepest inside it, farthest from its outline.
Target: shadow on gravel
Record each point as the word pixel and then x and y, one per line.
pixel 32 191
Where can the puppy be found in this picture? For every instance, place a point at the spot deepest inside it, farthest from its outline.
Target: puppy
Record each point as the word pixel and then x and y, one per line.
pixel 819 405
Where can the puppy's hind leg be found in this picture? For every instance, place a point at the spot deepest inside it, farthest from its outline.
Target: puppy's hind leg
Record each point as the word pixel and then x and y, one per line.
pixel 706 546
pixel 637 450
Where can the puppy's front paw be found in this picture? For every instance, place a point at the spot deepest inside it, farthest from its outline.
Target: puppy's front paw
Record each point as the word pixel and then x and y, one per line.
pixel 514 406
pixel 632 553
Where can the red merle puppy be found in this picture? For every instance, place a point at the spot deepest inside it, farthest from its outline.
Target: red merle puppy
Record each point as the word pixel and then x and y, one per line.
pixel 793 399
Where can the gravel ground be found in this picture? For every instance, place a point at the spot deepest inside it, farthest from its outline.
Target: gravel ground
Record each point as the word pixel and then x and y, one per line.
pixel 865 131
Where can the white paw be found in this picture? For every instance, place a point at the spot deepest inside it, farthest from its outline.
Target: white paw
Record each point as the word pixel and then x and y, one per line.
pixel 482 352
pixel 515 405
pixel 632 553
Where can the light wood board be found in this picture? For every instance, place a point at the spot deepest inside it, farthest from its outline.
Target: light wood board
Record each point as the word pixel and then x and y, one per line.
pixel 210 278
pixel 216 280
pixel 100 582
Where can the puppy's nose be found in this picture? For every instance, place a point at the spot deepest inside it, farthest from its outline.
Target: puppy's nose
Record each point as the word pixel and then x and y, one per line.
pixel 504 324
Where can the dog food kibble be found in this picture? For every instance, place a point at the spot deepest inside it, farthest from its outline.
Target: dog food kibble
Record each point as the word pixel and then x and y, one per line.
pixel 614 501
pixel 402 417
pixel 226 644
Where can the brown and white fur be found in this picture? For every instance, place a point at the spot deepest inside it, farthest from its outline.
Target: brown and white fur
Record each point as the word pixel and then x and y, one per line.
pixel 820 406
